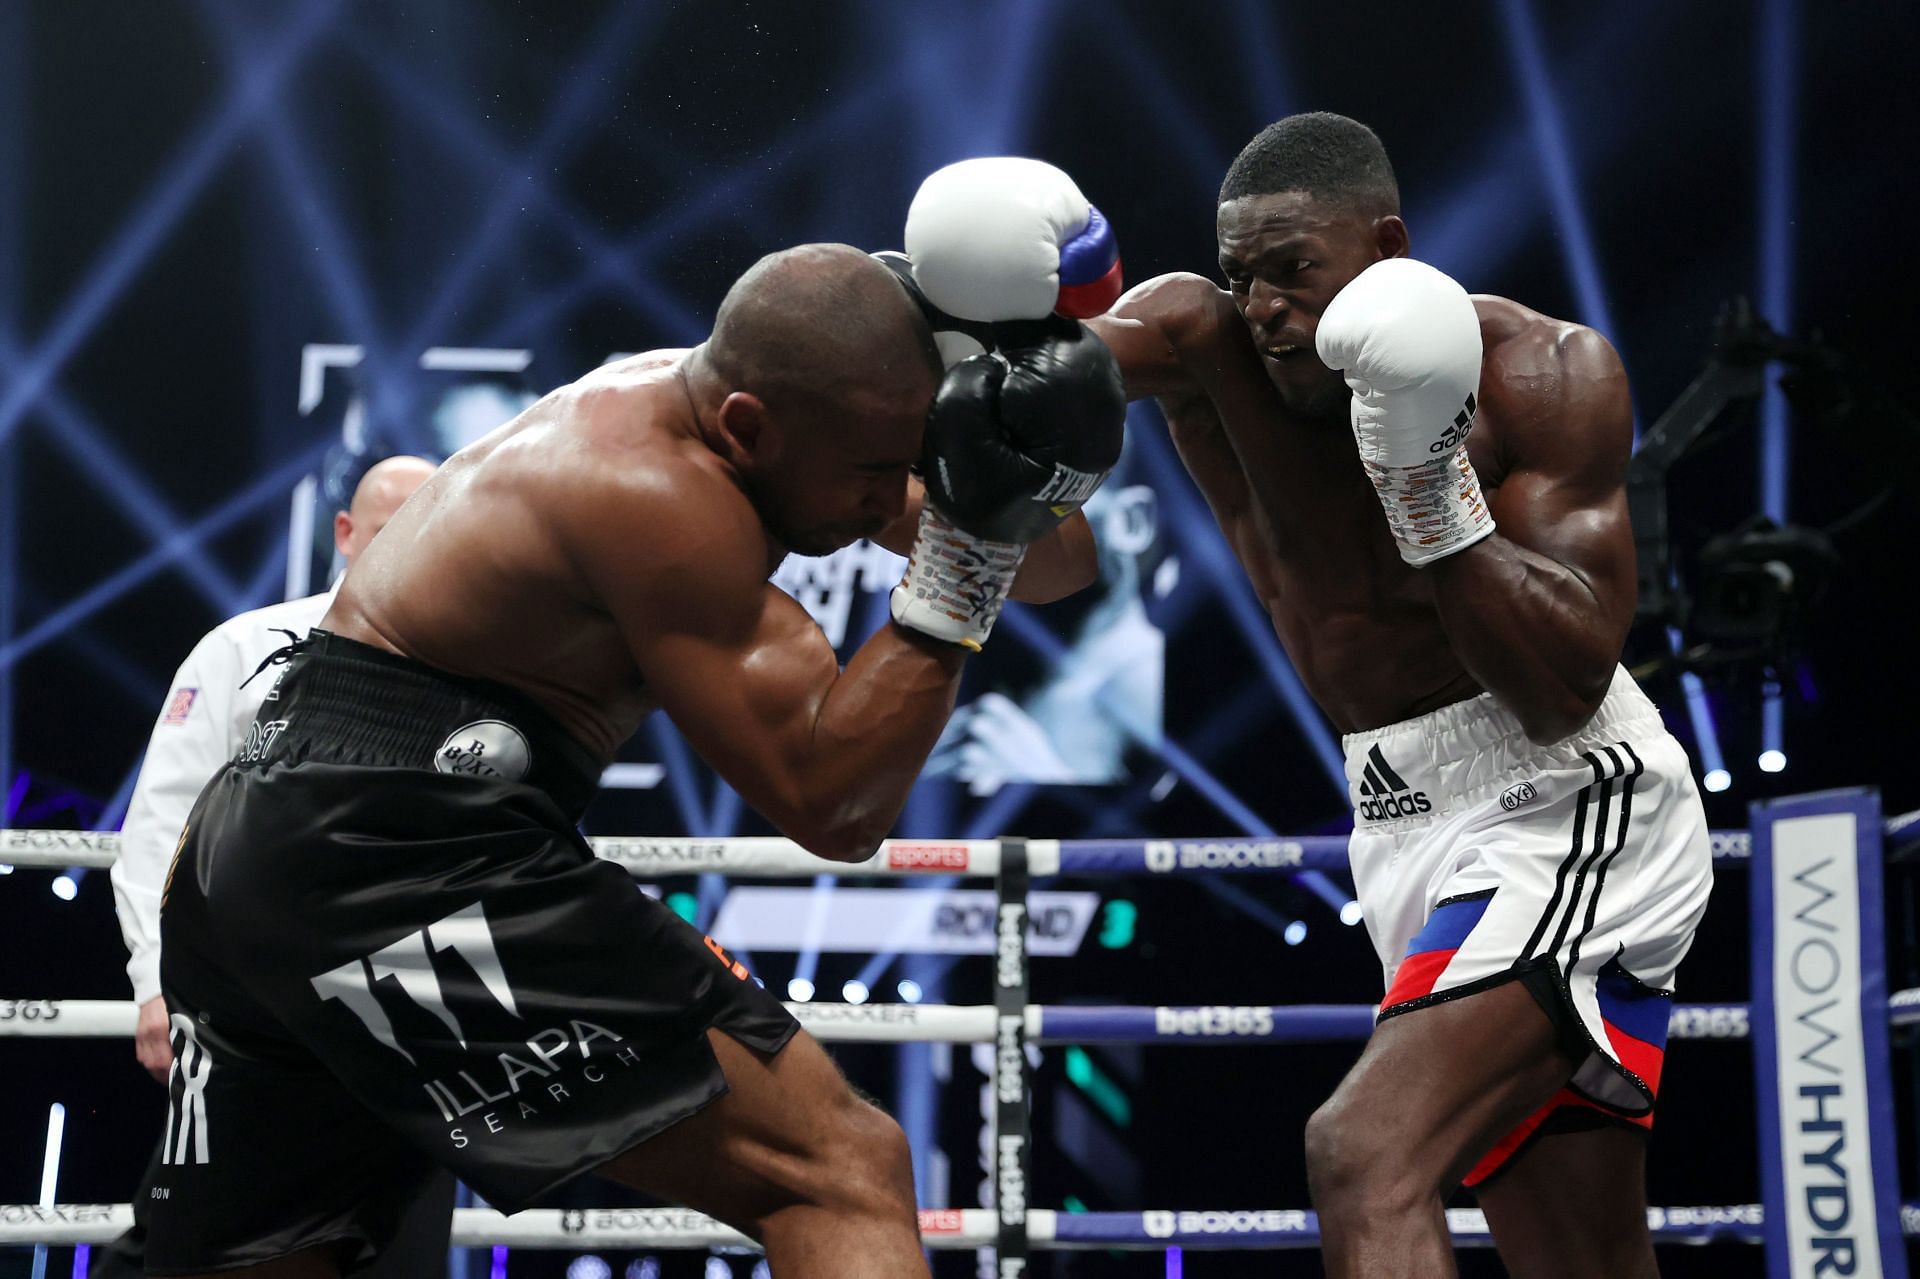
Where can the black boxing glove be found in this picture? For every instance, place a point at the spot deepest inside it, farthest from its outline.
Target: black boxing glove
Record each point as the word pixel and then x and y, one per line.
pixel 1016 441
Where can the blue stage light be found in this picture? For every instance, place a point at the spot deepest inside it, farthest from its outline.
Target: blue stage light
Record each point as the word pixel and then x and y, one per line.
pixel 271 487
pixel 1556 161
pixel 1776 79
pixel 582 98
pixel 719 199
pixel 210 145
pixel 128 492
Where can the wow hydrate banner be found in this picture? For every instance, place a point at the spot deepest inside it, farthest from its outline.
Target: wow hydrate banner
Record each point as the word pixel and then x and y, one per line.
pixel 1820 1039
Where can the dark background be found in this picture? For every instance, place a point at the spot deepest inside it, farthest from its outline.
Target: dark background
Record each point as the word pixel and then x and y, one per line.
pixel 191 192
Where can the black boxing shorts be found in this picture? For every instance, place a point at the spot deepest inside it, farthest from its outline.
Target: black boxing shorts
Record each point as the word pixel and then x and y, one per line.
pixel 385 946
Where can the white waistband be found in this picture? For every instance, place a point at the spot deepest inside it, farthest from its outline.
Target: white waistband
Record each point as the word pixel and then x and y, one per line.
pixel 1477 745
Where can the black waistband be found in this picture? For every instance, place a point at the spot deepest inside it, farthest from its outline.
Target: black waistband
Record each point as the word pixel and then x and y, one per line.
pixel 343 702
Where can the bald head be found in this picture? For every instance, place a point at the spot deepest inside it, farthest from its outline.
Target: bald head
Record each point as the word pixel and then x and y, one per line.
pixel 385 487
pixel 821 326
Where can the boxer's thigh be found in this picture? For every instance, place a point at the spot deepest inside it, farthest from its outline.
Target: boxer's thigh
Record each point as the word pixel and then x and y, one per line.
pixel 1573 1205
pixel 1437 1085
pixel 789 1130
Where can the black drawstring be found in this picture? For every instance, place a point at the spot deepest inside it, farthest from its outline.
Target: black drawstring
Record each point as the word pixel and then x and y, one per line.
pixel 280 656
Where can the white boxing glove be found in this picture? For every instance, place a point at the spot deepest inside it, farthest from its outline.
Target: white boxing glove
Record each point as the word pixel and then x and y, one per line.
pixel 1407 339
pixel 1006 238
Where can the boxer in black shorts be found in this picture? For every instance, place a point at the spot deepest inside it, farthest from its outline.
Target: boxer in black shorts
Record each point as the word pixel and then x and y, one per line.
pixel 385 943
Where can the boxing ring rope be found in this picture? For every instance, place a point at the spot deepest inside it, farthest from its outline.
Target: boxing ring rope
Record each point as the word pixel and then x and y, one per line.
pixel 1050 1024
pixel 1010 1022
pixel 776 858
pixel 941 1229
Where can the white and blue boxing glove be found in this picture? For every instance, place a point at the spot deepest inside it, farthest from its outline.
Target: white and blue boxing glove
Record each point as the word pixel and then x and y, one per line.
pixel 1407 339
pixel 1004 255
pixel 1007 238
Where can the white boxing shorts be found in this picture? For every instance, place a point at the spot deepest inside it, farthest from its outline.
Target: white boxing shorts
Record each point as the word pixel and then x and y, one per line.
pixel 1581 868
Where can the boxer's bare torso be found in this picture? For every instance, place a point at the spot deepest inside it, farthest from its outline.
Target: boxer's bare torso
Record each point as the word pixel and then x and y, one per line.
pixel 486 572
pixel 1361 626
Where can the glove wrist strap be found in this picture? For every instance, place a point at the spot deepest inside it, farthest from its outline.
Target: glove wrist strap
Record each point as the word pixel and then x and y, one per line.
pixel 955 583
pixel 1435 508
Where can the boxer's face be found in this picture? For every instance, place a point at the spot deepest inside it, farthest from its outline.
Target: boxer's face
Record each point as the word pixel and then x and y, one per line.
pixel 1284 256
pixel 843 473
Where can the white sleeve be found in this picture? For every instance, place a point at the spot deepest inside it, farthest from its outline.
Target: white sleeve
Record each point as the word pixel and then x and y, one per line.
pixel 192 737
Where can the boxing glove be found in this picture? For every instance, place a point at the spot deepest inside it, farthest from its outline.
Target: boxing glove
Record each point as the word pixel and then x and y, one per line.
pixel 1407 340
pixel 1016 441
pixel 1006 238
pixel 957 339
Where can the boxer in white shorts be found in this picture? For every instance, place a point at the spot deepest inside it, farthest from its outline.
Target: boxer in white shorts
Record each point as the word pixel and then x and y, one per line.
pixel 1531 854
pixel 1579 870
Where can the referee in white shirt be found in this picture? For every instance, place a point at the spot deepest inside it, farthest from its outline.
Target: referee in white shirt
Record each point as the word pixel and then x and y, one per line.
pixel 199 729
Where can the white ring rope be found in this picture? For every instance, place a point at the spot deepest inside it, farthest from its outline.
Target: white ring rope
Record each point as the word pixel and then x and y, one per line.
pixel 940 1228
pixel 769 857
pixel 971 1023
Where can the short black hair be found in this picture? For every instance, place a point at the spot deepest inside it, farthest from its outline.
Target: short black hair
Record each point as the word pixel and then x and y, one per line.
pixel 1328 156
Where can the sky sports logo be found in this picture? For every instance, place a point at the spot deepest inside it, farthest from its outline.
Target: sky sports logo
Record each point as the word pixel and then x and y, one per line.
pixel 937 857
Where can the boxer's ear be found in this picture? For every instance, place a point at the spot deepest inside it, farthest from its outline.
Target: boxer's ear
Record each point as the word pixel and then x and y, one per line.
pixel 748 429
pixel 1390 236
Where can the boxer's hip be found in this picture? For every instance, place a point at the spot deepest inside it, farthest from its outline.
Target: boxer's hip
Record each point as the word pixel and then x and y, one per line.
pixel 1460 801
pixel 1423 770
pixel 367 784
pixel 347 704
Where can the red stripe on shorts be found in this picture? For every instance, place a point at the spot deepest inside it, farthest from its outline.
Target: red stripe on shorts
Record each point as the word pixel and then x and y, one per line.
pixel 1637 1055
pixel 1416 976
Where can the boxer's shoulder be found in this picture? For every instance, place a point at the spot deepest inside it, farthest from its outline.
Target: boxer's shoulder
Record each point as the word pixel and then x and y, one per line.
pixel 650 502
pixel 1172 334
pixel 627 401
pixel 1546 375
pixel 1190 310
pixel 1528 350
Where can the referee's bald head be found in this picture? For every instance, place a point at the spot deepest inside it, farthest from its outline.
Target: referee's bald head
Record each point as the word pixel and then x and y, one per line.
pixel 382 491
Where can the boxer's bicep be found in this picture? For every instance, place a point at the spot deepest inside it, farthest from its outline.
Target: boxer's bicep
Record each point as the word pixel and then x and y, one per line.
pixel 680 564
pixel 744 675
pixel 1566 447
pixel 1066 560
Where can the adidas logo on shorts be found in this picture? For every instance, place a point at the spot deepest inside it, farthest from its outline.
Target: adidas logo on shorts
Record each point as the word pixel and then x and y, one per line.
pixel 1385 794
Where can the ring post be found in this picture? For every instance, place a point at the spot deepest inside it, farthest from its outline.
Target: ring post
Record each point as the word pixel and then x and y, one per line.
pixel 1822 1074
pixel 1010 1127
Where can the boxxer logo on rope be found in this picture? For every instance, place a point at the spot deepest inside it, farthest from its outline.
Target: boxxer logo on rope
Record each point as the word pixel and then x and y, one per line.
pixel 1385 794
pixel 499 1087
